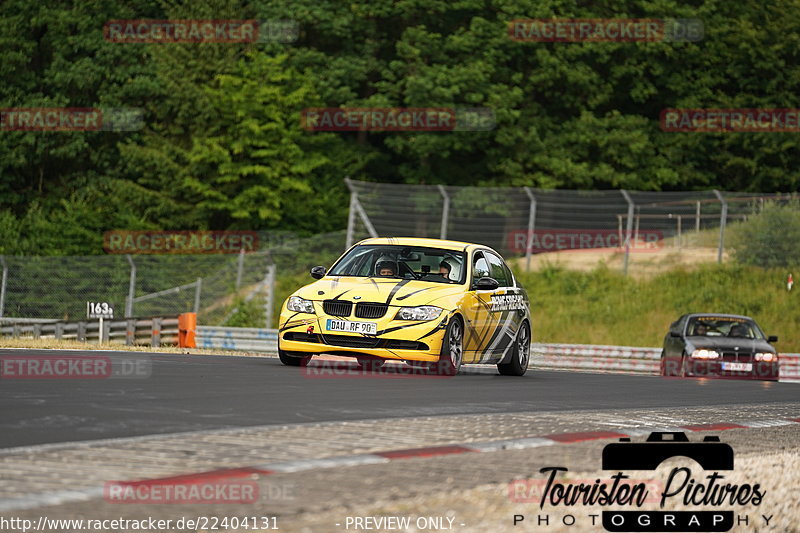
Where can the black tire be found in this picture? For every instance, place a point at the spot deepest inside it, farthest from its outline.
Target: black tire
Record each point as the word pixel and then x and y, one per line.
pixel 663 365
pixel 520 354
pixel 293 358
pixel 684 371
pixel 452 349
pixel 368 363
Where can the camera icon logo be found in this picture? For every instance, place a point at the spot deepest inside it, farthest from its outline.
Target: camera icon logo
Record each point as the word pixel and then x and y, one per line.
pixel 711 454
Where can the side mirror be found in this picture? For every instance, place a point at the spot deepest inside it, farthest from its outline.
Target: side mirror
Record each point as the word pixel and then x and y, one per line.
pixel 675 334
pixel 318 272
pixel 772 338
pixel 486 284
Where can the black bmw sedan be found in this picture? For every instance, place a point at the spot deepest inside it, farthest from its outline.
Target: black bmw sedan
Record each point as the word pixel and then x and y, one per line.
pixel 716 345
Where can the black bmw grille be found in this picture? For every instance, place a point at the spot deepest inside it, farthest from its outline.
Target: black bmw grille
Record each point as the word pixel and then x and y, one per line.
pixel 337 307
pixel 370 310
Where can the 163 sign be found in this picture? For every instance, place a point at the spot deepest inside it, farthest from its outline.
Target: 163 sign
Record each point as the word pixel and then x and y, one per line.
pixel 99 310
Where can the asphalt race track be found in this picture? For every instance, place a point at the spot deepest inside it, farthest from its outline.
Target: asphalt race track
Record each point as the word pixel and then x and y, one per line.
pixel 189 393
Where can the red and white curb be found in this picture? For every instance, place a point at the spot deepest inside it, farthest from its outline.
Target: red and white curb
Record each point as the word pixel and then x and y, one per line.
pixel 343 461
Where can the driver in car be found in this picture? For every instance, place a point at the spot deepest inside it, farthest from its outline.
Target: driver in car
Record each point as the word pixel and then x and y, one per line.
pixel 445 269
pixel 385 268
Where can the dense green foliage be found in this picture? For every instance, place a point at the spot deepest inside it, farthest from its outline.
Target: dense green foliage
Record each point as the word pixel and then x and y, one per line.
pixel 769 239
pixel 222 146
pixel 605 307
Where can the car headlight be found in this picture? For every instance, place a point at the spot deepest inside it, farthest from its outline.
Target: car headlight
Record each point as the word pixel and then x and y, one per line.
pixel 705 354
pixel 766 356
pixel 300 305
pixel 425 312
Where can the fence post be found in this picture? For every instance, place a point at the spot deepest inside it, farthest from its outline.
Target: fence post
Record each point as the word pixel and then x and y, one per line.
pixel 239 269
pixel 697 218
pixel 3 284
pixel 130 332
pixel 155 334
pixel 351 217
pixel 445 212
pixel 723 218
pixel 355 205
pixel 131 288
pixel 197 289
pixel 629 229
pixel 531 227
pixel 37 330
pixel 59 334
pixel 269 303
pixel 81 333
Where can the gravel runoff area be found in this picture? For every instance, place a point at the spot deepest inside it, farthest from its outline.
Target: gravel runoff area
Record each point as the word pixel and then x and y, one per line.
pixel 492 506
pixel 477 491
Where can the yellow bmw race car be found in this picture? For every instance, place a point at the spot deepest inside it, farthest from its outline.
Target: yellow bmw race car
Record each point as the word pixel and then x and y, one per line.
pixel 428 302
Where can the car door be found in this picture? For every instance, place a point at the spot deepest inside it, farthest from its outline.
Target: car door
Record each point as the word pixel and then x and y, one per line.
pixel 505 312
pixel 477 310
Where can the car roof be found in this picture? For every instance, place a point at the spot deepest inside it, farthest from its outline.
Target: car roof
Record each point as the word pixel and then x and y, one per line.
pixel 432 243
pixel 721 315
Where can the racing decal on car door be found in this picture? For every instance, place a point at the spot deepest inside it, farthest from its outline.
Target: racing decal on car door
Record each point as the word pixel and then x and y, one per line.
pixel 508 310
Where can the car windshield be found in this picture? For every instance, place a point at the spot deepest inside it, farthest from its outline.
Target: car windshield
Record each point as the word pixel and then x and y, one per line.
pixel 721 326
pixel 404 262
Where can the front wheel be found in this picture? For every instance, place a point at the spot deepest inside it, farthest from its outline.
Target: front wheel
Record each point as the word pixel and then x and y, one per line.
pixel 520 354
pixel 293 358
pixel 452 349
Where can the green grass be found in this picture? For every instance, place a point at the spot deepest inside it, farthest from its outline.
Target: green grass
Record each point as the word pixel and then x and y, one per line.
pixel 605 307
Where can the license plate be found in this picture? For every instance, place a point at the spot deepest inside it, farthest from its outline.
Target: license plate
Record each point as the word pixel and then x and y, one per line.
pixel 740 367
pixel 370 328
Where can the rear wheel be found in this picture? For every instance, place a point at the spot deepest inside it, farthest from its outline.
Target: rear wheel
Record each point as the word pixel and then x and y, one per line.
pixel 520 354
pixel 452 349
pixel 293 358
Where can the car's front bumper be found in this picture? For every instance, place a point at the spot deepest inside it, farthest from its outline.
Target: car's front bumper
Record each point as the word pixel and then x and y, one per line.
pixel 396 339
pixel 713 369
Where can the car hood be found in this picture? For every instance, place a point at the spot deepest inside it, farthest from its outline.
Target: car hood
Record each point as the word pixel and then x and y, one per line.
pixel 730 343
pixel 400 292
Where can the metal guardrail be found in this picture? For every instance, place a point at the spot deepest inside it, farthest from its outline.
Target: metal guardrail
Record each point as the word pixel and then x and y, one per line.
pixel 576 357
pixel 237 339
pixel 627 359
pixel 164 330
pixel 596 358
pixel 152 331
